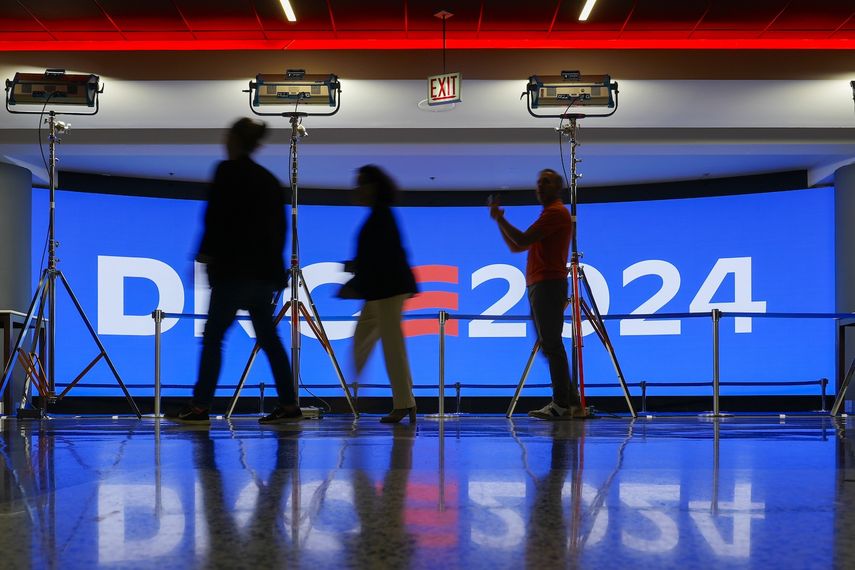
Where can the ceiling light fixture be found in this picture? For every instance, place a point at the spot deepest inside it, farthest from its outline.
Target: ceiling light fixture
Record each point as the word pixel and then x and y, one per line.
pixel 586 10
pixel 289 11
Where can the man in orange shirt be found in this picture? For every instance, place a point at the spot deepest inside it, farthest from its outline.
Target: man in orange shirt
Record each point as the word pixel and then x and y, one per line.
pixel 547 241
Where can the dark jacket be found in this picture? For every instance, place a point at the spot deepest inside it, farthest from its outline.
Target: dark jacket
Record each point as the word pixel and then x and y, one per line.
pixel 381 269
pixel 245 225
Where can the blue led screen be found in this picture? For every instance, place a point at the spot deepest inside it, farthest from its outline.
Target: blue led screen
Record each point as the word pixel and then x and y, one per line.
pixel 772 252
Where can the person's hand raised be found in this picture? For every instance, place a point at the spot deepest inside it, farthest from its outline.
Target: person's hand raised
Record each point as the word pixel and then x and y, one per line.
pixel 496 211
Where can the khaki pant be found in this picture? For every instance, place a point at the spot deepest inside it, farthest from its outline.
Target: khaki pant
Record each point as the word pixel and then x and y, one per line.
pixel 381 319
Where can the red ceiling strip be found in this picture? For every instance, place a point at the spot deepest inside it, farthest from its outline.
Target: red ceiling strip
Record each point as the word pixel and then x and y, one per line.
pixel 432 44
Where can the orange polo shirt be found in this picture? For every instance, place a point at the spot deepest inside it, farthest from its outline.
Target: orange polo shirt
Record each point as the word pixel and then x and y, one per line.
pixel 547 258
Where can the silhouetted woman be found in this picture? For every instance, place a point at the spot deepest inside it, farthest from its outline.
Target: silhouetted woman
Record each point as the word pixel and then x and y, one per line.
pixel 383 278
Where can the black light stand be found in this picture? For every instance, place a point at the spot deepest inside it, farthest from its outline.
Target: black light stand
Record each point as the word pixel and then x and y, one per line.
pixel 568 90
pixel 313 319
pixel 57 88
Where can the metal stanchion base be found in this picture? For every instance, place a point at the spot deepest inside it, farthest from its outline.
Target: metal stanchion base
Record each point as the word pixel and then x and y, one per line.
pixel 442 416
pixel 715 415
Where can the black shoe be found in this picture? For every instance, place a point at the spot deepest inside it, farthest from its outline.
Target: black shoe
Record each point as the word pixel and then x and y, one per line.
pixel 398 414
pixel 283 415
pixel 190 414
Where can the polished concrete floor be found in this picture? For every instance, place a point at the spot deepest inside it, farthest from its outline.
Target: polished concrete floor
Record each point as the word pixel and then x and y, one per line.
pixel 475 492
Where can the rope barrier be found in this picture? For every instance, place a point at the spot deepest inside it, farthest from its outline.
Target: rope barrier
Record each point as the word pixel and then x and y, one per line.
pixel 621 316
pixel 467 385
pixel 443 317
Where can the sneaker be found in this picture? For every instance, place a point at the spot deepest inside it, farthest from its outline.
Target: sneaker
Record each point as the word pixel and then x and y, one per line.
pixel 551 411
pixel 283 415
pixel 554 412
pixel 190 414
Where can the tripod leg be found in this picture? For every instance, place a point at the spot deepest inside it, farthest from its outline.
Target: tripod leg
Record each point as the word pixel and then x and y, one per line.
pixel 604 338
pixel 326 343
pixel 579 369
pixel 842 393
pixel 40 321
pixel 251 360
pixel 596 318
pixel 527 369
pixel 100 345
pixel 10 366
pixel 32 378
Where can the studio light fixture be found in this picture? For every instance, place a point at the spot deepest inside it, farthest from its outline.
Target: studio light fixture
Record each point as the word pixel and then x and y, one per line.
pixel 571 88
pixel 289 10
pixel 295 87
pixel 54 86
pixel 586 10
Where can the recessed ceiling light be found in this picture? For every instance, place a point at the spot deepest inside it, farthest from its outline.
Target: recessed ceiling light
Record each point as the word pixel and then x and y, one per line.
pixel 586 10
pixel 289 11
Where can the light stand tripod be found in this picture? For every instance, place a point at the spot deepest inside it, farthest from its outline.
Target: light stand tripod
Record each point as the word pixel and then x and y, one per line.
pixel 296 306
pixel 44 297
pixel 579 306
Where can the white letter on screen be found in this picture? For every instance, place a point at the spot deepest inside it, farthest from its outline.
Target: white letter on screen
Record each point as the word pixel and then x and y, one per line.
pixel 112 272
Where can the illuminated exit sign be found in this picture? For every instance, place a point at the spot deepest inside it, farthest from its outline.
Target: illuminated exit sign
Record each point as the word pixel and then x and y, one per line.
pixel 444 89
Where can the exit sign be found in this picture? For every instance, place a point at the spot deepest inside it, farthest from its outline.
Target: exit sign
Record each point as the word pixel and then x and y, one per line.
pixel 444 89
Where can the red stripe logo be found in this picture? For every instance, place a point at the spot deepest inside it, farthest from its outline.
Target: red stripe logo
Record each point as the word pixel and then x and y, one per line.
pixel 432 300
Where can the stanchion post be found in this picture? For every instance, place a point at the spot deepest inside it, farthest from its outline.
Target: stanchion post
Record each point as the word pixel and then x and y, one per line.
pixel 157 315
pixel 261 398
pixel 643 385
pixel 443 317
pixel 823 383
pixel 457 395
pixel 716 320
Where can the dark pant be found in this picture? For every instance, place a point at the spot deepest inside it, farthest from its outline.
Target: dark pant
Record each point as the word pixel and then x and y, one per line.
pixel 547 300
pixel 226 299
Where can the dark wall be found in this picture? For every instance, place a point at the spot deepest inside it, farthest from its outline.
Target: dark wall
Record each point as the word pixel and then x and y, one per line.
pixel 844 244
pixel 15 218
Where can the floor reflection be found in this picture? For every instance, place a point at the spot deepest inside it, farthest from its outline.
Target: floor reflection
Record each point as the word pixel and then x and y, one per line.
pixel 381 506
pixel 474 492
